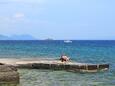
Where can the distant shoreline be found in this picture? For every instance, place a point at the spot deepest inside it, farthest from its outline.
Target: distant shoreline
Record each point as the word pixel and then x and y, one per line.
pixel 56 40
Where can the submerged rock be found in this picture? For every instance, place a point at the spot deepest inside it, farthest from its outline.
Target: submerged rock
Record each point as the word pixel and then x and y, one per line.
pixel 8 74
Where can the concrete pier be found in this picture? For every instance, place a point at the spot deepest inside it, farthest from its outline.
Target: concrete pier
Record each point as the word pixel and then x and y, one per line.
pixel 55 65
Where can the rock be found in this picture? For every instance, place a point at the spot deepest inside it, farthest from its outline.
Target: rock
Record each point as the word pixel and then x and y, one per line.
pixel 13 68
pixel 1 64
pixel 8 74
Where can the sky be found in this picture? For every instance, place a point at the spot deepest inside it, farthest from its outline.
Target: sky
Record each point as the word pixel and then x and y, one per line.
pixel 59 19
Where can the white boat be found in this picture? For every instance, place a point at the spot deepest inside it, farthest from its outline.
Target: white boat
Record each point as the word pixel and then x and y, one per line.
pixel 67 41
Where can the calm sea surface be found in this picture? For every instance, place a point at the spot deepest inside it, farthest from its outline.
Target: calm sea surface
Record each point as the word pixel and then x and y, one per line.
pixel 81 51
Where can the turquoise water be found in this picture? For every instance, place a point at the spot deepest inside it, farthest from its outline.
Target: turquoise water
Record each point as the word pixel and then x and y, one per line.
pixel 81 51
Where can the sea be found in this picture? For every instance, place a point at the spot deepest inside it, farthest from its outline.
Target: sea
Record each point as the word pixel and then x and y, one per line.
pixel 85 51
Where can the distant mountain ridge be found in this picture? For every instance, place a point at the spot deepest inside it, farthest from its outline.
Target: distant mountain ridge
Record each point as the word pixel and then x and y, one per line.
pixel 17 37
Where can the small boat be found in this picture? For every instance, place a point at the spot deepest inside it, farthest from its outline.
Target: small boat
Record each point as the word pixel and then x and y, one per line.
pixel 67 41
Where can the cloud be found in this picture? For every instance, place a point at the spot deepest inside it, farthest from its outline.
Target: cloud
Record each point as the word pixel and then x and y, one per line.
pixel 22 1
pixel 19 15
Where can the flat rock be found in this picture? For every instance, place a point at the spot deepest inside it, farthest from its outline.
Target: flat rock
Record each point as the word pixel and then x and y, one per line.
pixel 8 74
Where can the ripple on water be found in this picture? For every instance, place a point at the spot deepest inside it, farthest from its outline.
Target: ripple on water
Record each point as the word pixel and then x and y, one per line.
pixel 36 77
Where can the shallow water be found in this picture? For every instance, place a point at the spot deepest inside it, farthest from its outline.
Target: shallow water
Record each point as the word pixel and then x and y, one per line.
pixel 35 77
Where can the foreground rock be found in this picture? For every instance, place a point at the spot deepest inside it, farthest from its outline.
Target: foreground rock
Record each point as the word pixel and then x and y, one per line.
pixel 8 74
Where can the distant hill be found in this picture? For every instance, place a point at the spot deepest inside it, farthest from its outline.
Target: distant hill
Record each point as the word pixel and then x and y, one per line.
pixel 49 39
pixel 17 37
pixel 2 37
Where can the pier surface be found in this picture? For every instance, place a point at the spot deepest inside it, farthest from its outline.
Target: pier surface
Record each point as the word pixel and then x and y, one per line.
pixel 55 65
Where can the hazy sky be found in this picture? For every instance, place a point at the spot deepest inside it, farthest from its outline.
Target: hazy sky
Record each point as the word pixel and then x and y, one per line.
pixel 58 19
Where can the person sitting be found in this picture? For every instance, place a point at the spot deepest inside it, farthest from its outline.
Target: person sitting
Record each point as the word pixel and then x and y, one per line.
pixel 64 58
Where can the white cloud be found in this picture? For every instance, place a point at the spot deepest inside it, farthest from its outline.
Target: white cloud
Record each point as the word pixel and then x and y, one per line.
pixel 19 15
pixel 24 1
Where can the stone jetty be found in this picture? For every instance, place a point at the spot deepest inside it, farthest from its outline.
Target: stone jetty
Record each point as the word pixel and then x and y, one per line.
pixel 55 65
